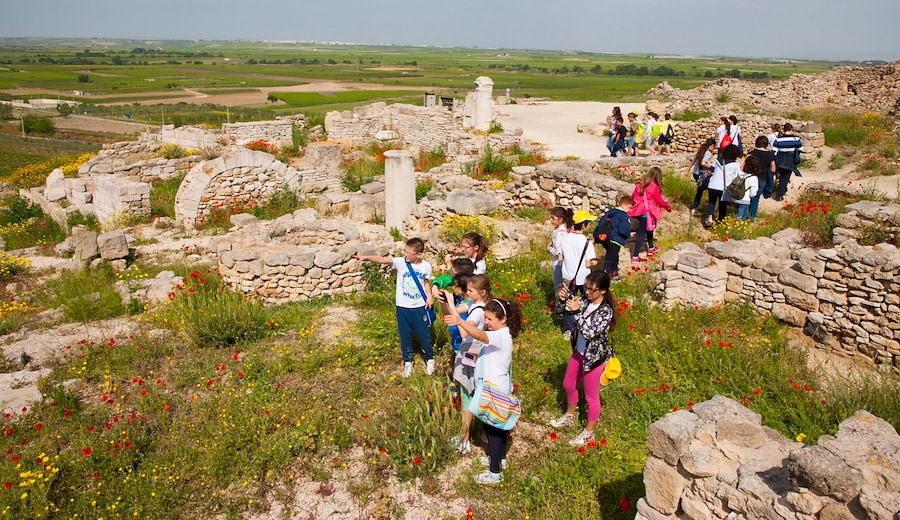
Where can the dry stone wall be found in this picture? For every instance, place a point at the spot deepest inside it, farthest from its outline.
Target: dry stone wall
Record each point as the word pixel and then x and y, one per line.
pixel 718 461
pixel 424 128
pixel 846 297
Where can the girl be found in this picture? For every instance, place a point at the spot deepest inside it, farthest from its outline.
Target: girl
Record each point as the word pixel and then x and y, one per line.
pixel 575 248
pixel 647 211
pixel 701 168
pixel 724 135
pixel 474 246
pixel 631 147
pixel 561 219
pixel 724 171
pixel 504 322
pixel 749 171
pixel 736 132
pixel 611 125
pixel 766 175
pixel 478 293
pixel 596 318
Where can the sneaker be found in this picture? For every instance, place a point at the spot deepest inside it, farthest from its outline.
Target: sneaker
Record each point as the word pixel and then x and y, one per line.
pixel 486 461
pixel 566 420
pixel 637 260
pixel 429 367
pixel 653 250
pixel 464 447
pixel 489 478
pixel 567 334
pixel 407 369
pixel 709 221
pixel 582 438
pixel 696 212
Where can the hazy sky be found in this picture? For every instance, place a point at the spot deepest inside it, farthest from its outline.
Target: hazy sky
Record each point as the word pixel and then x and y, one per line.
pixel 803 29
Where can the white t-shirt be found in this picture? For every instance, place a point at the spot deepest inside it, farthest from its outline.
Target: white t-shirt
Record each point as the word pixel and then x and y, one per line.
pixel 480 266
pixel 571 245
pixel 496 357
pixel 408 294
pixel 476 316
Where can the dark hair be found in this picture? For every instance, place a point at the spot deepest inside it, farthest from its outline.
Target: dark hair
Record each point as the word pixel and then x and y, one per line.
pixel 617 111
pixel 733 119
pixel 702 150
pixel 463 265
pixel 601 280
pixel 416 244
pixel 478 241
pixel 481 283
pixel 762 142
pixel 751 165
pixel 727 124
pixel 461 280
pixel 731 153
pixel 787 127
pixel 619 119
pixel 506 309
pixel 563 213
pixel 668 116
pixel 626 199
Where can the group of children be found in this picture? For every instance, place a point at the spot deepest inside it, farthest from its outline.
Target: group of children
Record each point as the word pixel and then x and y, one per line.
pixel 481 327
pixel 626 137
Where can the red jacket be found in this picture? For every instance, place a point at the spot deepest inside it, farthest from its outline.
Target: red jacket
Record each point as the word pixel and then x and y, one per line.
pixel 650 203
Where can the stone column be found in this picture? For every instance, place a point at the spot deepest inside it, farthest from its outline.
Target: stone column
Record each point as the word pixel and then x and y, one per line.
pixel 484 104
pixel 399 187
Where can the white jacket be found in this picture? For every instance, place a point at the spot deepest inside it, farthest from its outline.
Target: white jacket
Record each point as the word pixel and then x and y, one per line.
pixel 751 183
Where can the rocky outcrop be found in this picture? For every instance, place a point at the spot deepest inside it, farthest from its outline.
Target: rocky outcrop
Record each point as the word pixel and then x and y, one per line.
pixel 718 461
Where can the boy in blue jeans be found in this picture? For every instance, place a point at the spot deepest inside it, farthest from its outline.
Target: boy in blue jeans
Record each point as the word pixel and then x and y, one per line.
pixel 412 301
pixel 618 234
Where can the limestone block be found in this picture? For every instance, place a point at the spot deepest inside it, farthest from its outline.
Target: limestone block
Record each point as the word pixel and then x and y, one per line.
pixel 664 486
pixel 669 437
pixel 471 202
pixel 646 512
pixel 801 300
pixel 85 246
pixel 113 245
pixel 277 259
pixel 821 471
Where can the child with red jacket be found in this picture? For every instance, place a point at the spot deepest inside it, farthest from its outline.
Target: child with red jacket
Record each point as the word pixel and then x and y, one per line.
pixel 647 210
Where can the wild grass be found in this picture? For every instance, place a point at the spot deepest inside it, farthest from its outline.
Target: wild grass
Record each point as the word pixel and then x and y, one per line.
pixel 23 224
pixel 162 197
pixel 83 296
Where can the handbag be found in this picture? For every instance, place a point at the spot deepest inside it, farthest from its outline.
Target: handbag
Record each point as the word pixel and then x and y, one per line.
pixel 612 371
pixel 430 315
pixel 493 406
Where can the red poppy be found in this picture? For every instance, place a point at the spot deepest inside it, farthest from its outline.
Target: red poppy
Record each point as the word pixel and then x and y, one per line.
pixel 8 485
pixel 581 449
pixel 602 442
pixel 111 342
pixel 14 458
pixel 553 436
pixel 38 426
pixel 624 504
pixel 417 460
pixel 8 432
pixel 87 452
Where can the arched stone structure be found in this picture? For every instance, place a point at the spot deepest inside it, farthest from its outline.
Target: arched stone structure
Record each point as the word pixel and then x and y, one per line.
pixel 239 175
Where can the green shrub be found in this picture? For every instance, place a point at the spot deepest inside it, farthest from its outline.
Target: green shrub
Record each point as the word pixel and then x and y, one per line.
pixel 692 115
pixel 491 166
pixel 40 125
pixel 282 202
pixel 77 218
pixel 23 224
pixel 423 186
pixel 361 172
pixel 495 128
pixel 83 296
pixel 425 161
pixel 837 161
pixel 172 151
pixel 213 315
pixel 723 97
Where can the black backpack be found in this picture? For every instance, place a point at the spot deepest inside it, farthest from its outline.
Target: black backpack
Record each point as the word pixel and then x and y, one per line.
pixel 604 230
pixel 670 131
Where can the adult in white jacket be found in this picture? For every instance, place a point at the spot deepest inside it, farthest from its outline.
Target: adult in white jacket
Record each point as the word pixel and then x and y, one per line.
pixel 748 172
pixel 724 171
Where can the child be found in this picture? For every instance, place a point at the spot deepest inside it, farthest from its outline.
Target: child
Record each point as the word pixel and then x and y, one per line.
pixel 474 246
pixel 618 235
pixel 665 142
pixel 578 258
pixel 504 322
pixel 648 200
pixel 411 301
pixel 619 140
pixel 749 171
pixel 459 266
pixel 478 292
pixel 596 318
pixel 701 170
pixel 561 218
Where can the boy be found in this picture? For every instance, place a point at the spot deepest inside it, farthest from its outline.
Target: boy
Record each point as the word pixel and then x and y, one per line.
pixel 619 139
pixel 578 257
pixel 618 235
pixel 411 301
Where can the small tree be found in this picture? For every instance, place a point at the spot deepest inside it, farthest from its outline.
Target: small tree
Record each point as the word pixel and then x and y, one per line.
pixel 40 125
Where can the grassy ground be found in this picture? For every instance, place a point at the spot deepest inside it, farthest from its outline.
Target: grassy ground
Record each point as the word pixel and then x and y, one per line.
pixel 181 425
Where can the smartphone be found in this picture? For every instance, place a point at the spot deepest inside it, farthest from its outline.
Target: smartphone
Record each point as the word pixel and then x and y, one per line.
pixel 469 359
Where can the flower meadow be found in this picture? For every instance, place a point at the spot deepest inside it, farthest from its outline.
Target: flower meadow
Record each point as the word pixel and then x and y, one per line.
pixel 153 425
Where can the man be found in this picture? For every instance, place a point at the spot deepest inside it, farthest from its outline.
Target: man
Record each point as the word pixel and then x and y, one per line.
pixel 787 148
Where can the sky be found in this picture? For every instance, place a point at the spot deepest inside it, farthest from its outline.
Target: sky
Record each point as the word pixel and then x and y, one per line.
pixel 855 30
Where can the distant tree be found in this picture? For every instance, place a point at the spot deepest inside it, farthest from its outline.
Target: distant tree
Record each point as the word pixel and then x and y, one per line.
pixel 272 98
pixel 5 111
pixel 84 78
pixel 40 125
pixel 578 69
pixel 64 109
pixel 117 60
pixel 733 73
pixel 596 69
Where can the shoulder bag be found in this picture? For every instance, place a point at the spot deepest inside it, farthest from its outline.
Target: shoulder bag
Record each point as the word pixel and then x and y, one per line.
pixel 430 316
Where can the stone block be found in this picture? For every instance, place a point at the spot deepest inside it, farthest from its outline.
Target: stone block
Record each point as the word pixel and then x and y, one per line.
pixel 669 437
pixel 664 486
pixel 824 473
pixel 85 246
pixel 112 245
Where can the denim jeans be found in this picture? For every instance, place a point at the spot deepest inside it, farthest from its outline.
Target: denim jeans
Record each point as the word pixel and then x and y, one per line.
pixel 743 211
pixel 411 322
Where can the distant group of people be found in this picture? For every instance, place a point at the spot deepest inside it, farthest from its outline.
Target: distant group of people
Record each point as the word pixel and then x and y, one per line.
pixel 730 177
pixel 625 137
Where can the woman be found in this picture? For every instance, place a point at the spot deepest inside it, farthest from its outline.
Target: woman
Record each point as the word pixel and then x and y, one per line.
pixel 701 169
pixel 596 318
pixel 766 175
pixel 724 171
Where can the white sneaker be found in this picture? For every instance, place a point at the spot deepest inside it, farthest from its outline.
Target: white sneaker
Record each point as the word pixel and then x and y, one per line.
pixel 582 438
pixel 464 447
pixel 489 478
pixel 566 420
pixel 486 461
pixel 407 369
pixel 429 367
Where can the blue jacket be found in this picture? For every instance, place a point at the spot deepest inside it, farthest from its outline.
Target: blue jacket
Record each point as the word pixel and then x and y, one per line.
pixel 621 226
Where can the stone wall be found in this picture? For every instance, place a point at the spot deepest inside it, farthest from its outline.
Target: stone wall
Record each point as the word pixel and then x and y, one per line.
pixel 718 461
pixel 240 176
pixel 847 297
pixel 119 198
pixel 278 132
pixel 423 128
